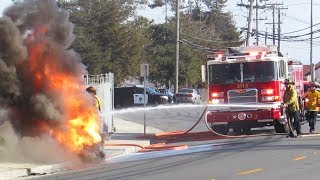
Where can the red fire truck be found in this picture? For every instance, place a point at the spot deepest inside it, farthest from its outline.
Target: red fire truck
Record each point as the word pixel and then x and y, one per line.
pixel 246 88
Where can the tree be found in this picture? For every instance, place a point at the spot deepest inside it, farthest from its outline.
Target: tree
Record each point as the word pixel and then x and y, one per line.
pixel 210 26
pixel 110 38
pixel 162 54
pixel 203 26
pixel 106 40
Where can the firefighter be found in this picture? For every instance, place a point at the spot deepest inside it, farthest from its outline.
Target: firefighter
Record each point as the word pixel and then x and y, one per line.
pixel 93 91
pixel 290 100
pixel 98 148
pixel 312 98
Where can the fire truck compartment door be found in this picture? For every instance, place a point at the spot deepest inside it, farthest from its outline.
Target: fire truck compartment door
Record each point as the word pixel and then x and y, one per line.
pixel 138 99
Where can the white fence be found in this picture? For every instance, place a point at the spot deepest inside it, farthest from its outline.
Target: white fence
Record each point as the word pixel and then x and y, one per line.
pixel 104 84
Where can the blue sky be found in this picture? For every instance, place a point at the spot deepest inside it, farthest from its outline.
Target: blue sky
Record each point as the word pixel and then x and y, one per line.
pixel 295 18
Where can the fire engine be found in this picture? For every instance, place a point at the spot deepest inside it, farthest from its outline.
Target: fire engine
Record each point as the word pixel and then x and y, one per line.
pixel 251 76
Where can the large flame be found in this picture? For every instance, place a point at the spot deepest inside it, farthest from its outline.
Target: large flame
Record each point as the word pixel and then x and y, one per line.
pixel 50 77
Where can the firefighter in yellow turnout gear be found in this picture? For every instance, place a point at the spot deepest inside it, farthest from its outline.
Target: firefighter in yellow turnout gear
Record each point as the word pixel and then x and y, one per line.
pixel 312 98
pixel 97 104
pixel 93 91
pixel 291 101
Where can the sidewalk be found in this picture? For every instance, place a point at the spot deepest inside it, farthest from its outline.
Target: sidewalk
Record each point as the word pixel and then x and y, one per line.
pixel 126 134
pixel 120 143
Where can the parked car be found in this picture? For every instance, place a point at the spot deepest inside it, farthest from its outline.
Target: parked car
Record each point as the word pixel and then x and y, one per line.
pixel 187 95
pixel 168 92
pixel 134 96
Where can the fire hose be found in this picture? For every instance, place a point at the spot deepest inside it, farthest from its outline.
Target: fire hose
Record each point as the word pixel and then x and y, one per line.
pixel 232 136
pixel 285 113
pixel 162 146
pixel 290 129
pixel 204 115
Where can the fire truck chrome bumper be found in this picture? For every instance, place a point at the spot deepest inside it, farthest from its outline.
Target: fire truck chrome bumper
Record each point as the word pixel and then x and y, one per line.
pixel 219 123
pixel 265 120
pixel 283 120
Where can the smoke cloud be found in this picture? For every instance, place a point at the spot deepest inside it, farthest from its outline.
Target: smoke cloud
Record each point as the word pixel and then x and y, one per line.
pixel 35 39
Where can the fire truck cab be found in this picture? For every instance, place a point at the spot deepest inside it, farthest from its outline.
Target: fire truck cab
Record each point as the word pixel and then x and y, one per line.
pixel 245 88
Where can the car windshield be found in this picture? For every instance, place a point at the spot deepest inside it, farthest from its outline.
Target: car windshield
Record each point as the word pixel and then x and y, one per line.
pixel 151 91
pixel 185 91
pixel 250 71
pixel 162 91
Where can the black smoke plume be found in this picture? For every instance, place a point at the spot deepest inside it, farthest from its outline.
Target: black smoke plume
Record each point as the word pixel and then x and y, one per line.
pixel 25 106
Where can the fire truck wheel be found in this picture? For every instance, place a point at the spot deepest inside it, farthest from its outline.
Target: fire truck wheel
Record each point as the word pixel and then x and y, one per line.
pixel 221 129
pixel 281 128
pixel 246 130
pixel 236 130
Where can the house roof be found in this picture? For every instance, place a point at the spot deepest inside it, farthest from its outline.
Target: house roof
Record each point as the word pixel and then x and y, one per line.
pixel 306 69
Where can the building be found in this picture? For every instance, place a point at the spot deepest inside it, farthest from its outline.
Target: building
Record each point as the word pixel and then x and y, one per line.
pixel 306 72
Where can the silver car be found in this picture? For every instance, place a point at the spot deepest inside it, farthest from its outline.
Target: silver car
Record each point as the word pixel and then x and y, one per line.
pixel 187 95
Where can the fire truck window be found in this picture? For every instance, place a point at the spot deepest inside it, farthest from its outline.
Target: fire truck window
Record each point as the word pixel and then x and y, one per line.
pixel 259 71
pixel 282 69
pixel 224 73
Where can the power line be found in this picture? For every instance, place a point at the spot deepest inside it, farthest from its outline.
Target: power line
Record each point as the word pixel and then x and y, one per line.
pixel 300 29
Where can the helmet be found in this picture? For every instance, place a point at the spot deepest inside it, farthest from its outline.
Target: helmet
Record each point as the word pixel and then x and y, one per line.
pixel 287 81
pixel 91 89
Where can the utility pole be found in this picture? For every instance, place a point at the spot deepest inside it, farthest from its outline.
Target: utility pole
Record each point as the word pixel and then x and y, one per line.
pixel 273 24
pixel 257 23
pixel 273 6
pixel 279 26
pixel 279 30
pixel 266 36
pixel 250 18
pixel 176 85
pixel 249 24
pixel 311 43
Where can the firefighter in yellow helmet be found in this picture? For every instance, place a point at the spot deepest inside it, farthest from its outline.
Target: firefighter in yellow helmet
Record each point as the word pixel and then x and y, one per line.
pixel 291 101
pixel 312 98
pixel 93 91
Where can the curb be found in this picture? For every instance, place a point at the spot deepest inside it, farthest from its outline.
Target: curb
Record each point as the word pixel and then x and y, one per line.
pixel 24 172
pixel 48 169
pixel 14 173
pixel 29 172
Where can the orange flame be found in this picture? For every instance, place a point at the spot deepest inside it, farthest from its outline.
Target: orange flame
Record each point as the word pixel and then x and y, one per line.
pixel 51 76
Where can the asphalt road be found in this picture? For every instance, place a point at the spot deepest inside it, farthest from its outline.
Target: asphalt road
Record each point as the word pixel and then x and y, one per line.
pixel 271 157
pixel 260 157
pixel 168 118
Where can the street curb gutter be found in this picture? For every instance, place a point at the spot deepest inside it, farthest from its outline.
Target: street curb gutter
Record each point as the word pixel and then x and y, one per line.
pixel 14 173
pixel 28 172
pixel 48 169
